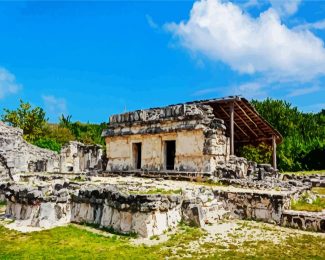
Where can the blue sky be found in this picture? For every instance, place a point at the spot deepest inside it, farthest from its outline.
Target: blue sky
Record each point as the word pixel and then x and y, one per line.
pixel 94 59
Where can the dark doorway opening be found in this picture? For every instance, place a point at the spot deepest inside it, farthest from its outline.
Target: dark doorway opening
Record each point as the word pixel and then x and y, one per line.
pixel 170 147
pixel 137 147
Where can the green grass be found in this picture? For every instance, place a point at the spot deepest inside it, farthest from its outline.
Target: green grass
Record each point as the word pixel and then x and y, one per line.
pixel 301 173
pixel 319 190
pixel 71 242
pixel 316 206
pixel 157 191
pixel 3 203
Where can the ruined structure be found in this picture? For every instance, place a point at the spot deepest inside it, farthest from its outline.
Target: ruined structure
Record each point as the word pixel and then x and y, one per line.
pixel 177 149
pixel 191 137
pixel 76 157
pixel 18 156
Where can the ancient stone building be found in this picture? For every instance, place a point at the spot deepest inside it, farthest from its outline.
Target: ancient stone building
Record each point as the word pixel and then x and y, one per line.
pixel 196 136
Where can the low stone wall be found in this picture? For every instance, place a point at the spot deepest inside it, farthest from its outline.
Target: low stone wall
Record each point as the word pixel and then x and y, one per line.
pixel 311 221
pixel 264 206
pixel 315 180
pixel 167 175
pixel 58 204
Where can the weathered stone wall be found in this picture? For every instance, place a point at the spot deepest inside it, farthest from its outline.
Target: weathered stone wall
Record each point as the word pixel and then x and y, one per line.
pixel 200 140
pixel 77 157
pixel 16 155
pixel 311 221
pixel 188 157
pixel 265 206
pixel 60 203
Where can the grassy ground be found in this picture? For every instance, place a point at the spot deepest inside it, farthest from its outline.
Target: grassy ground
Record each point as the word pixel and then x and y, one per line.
pixel 319 190
pixel 301 173
pixel 245 240
pixel 316 206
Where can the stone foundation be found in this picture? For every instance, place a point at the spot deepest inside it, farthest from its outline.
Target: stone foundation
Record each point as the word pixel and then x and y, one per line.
pixel 311 221
pixel 263 206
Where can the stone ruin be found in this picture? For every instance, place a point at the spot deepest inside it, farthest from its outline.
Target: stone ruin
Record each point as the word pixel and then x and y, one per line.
pixel 76 157
pixel 19 156
pixel 163 165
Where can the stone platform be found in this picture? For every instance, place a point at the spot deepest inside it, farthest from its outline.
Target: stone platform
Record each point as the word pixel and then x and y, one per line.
pixel 137 205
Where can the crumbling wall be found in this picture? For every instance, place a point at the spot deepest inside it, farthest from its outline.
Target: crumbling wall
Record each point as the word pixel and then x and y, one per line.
pixel 257 205
pixel 311 221
pixel 107 207
pixel 77 157
pixel 19 156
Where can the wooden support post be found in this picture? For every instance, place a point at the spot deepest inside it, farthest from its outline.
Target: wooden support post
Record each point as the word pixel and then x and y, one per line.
pixel 274 151
pixel 232 141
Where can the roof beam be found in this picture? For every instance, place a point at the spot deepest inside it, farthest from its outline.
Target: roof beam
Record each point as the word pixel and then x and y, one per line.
pixel 234 122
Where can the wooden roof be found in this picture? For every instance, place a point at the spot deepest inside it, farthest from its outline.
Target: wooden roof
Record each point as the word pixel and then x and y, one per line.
pixel 249 125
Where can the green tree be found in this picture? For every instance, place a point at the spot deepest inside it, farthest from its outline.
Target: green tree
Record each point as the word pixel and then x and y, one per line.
pixel 303 145
pixel 31 120
pixel 48 143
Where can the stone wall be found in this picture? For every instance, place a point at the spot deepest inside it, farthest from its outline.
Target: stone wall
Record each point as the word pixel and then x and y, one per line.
pixel 311 221
pixel 16 155
pixel 61 203
pixel 200 140
pixel 257 205
pixel 77 157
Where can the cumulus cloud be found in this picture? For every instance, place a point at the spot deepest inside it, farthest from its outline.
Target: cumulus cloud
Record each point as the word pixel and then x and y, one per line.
pixel 285 7
pixel 8 84
pixel 221 31
pixel 54 106
pixel 319 25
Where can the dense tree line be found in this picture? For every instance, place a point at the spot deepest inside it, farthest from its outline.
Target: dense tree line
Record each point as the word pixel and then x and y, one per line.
pixel 303 146
pixel 39 131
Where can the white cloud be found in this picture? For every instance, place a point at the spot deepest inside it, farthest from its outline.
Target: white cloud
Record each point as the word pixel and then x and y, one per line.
pixel 250 4
pixel 151 22
pixel 251 90
pixel 54 106
pixel 319 25
pixel 303 91
pixel 221 31
pixel 8 84
pixel 285 7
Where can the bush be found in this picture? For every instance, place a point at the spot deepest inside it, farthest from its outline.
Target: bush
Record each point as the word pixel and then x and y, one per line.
pixel 48 143
pixel 261 153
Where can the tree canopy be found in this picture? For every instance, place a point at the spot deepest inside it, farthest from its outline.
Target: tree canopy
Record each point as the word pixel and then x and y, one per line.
pixel 303 146
pixel 37 129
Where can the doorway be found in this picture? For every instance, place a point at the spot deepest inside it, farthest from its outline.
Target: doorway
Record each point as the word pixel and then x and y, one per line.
pixel 136 148
pixel 170 150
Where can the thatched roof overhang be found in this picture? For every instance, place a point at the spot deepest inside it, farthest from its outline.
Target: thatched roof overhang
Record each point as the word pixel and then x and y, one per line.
pixel 249 125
